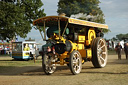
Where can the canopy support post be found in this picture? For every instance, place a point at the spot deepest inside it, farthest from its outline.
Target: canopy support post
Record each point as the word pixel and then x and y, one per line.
pixel 65 28
pixel 44 31
pixel 40 32
pixel 59 26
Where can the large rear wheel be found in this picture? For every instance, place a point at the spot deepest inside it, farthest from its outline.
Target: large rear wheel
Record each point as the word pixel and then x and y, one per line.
pixel 47 65
pixel 75 62
pixel 99 52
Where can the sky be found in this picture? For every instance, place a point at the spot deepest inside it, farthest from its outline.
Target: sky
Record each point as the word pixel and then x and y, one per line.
pixel 115 11
pixel 116 16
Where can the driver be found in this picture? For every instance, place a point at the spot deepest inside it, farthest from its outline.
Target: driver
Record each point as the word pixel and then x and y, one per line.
pixel 26 48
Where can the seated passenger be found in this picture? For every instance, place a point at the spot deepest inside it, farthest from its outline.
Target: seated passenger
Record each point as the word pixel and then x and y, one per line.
pixel 26 48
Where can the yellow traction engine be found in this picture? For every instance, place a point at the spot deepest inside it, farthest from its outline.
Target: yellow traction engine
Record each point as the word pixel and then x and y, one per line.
pixel 72 42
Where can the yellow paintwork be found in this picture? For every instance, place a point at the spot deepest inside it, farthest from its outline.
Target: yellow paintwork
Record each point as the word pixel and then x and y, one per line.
pixel 26 49
pixel 74 46
pixel 80 46
pixel 83 61
pixel 87 23
pixel 81 39
pixel 91 36
pixel 26 54
pixel 89 53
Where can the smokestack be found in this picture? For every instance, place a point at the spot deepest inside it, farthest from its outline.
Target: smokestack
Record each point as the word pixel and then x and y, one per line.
pixel 62 14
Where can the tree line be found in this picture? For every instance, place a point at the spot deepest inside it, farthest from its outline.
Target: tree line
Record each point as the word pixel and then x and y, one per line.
pixel 121 37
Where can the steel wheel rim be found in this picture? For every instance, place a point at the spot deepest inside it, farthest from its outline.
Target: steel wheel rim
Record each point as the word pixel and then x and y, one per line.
pixel 49 67
pixel 77 62
pixel 102 52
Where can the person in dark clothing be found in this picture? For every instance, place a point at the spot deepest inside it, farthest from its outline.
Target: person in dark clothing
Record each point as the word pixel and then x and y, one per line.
pixel 118 49
pixel 126 50
pixel 37 53
pixel 98 32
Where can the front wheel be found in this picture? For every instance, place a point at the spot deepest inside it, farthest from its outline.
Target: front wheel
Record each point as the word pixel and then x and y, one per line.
pixel 75 62
pixel 47 65
pixel 99 53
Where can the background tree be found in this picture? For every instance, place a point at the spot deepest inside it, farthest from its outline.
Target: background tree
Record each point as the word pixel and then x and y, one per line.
pixel 33 9
pixel 122 37
pixel 16 17
pixel 85 9
pixel 114 39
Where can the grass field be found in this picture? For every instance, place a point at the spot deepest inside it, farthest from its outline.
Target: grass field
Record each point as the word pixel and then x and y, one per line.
pixel 113 52
pixel 23 72
pixel 6 61
pixel 30 73
pixel 8 64
pixel 11 62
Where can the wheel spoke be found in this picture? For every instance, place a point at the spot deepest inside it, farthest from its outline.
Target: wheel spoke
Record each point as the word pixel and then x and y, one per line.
pixel 102 58
pixel 77 66
pixel 74 67
pixel 74 57
pixel 104 53
pixel 74 61
pixel 100 42
pixel 102 46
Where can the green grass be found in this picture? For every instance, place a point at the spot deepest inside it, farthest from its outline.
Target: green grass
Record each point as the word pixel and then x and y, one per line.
pixel 4 55
pixel 8 64
pixel 111 52
pixel 8 61
pixel 19 63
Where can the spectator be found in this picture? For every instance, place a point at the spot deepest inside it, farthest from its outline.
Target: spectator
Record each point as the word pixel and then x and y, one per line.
pixel 126 50
pixel 37 53
pixel 118 49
